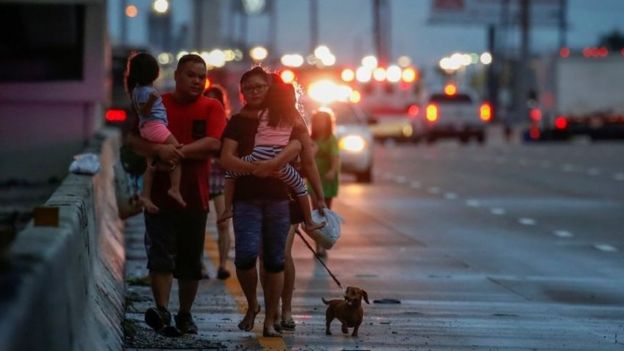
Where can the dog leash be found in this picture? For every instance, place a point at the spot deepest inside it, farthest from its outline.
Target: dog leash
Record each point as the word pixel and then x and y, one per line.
pixel 316 255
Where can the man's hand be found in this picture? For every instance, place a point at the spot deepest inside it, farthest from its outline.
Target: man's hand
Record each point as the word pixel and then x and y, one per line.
pixel 170 154
pixel 265 168
pixel 320 205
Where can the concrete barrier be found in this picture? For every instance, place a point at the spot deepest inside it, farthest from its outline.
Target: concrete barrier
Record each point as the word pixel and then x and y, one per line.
pixel 64 289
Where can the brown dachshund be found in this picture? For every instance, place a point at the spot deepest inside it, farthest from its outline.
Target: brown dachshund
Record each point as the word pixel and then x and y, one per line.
pixel 348 311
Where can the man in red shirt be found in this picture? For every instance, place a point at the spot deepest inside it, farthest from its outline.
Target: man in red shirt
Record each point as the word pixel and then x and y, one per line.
pixel 174 237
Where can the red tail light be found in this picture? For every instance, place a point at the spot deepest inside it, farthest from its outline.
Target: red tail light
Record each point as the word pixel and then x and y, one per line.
pixel 485 112
pixel 432 113
pixel 535 114
pixel 561 122
pixel 115 115
pixel 413 110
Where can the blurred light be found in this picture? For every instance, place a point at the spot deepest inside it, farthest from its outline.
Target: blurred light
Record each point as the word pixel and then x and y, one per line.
pixel 323 91
pixel 393 73
pixel 132 11
pixel 534 133
pixel 474 58
pixel 561 122
pixel 161 6
pixel 407 131
pixel 413 110
pixel 603 52
pixel 450 89
pixel 564 52
pixel 379 74
pixel 485 112
pixel 216 58
pixel 207 84
pixel 409 75
pixel 404 61
pixel 465 59
pixel 352 143
pixel 347 75
pixel 288 76
pixel 432 113
pixel 369 62
pixel 486 58
pixel 180 54
pixel 258 53
pixel 328 60
pixel 238 55
pixel 115 115
pixel 363 74
pixel 229 55
pixel 355 97
pixel 622 52
pixel 322 51
pixel 292 60
pixel 165 58
pixel 535 114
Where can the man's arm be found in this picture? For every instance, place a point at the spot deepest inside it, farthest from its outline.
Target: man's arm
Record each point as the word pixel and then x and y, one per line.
pixel 201 149
pixel 166 153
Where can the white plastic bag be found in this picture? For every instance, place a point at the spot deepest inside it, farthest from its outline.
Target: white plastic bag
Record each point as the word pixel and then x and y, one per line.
pixel 88 163
pixel 329 234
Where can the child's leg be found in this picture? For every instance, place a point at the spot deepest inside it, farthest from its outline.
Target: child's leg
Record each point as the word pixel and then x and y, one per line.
pixel 146 193
pixel 228 194
pixel 174 177
pixel 291 177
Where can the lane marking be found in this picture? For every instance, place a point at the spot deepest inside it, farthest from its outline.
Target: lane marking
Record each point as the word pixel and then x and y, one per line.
pixel 563 233
pixel 415 185
pixel 567 168
pixel 497 211
pixel 619 176
pixel 545 164
pixel 527 221
pixel 400 179
pixel 473 203
pixel 450 196
pixel 593 171
pixel 434 190
pixel 605 247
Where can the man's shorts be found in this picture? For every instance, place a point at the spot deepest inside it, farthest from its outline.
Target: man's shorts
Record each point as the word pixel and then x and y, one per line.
pixel 174 241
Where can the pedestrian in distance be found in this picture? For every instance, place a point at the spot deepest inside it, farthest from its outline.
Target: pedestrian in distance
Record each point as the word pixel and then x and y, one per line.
pixel 273 134
pixel 216 182
pixel 174 237
pixel 141 73
pixel 260 203
pixel 327 159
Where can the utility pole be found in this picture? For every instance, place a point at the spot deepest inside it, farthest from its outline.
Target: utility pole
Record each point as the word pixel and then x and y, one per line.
pixel 525 57
pixel 313 25
pixel 123 38
pixel 563 25
pixel 272 26
pixel 381 32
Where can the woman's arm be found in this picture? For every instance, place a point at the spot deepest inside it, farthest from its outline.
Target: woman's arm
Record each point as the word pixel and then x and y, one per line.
pixel 230 159
pixel 268 167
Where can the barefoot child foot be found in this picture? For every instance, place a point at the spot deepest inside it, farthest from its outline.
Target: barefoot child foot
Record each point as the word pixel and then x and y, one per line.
pixel 148 204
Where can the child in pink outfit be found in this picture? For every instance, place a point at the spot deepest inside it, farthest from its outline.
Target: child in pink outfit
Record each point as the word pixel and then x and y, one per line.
pixel 142 72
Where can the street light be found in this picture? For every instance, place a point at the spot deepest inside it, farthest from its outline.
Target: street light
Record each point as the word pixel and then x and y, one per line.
pixel 131 11
pixel 160 6
pixel 258 53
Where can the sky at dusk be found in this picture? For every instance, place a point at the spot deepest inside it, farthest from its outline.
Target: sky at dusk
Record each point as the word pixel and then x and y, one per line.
pixel 345 26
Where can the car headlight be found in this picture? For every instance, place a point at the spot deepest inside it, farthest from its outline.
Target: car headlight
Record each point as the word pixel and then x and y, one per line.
pixel 352 143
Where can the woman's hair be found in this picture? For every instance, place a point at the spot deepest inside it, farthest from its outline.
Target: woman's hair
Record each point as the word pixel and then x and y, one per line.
pixel 281 99
pixel 325 119
pixel 142 70
pixel 218 92
pixel 256 71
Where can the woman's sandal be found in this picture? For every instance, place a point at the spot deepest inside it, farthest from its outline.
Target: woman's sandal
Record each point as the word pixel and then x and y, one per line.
pixel 288 324
pixel 246 324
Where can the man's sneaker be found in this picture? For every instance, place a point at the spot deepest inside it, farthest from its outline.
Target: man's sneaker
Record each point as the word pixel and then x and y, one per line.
pixel 157 318
pixel 223 274
pixel 184 322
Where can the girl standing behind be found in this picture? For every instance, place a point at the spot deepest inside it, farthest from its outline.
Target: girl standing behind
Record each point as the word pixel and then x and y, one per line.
pixel 140 76
pixel 327 158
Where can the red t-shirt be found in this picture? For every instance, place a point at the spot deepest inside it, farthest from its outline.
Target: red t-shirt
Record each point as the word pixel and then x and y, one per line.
pixel 189 122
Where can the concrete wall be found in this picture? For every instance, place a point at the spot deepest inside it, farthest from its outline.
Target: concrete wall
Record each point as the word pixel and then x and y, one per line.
pixel 64 290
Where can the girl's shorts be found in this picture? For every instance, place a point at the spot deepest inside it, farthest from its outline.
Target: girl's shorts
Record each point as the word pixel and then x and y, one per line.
pixel 155 131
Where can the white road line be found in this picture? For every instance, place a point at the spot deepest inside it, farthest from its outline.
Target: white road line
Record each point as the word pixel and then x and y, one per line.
pixel 450 196
pixel 605 247
pixel 593 171
pixel 545 164
pixel 563 233
pixel 473 203
pixel 434 190
pixel 527 221
pixel 497 211
pixel 619 177
pixel 567 168
pixel 401 179
pixel 415 185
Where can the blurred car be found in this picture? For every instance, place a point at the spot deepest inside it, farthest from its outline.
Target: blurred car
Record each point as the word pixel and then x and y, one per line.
pixel 394 124
pixel 453 115
pixel 355 139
